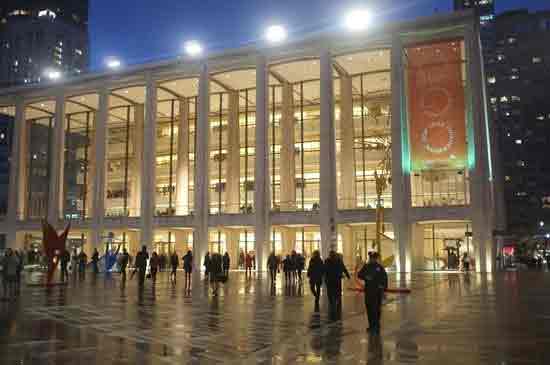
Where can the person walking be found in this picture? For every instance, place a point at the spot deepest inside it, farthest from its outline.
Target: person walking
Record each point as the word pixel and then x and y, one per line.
pixel 273 267
pixel 376 282
pixel 315 271
pixel 206 264
pixel 82 262
pixel 241 260
pixel 287 268
pixel 215 271
pixel 466 262
pixel 226 260
pixel 188 268
pixel 334 272
pixel 300 266
pixel 19 260
pixel 293 265
pixel 248 264
pixel 124 260
pixel 141 265
pixel 154 265
pixel 9 273
pixel 174 263
pixel 95 261
pixel 64 261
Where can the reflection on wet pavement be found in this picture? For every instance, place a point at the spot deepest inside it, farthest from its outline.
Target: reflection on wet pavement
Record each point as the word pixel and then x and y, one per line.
pixel 447 319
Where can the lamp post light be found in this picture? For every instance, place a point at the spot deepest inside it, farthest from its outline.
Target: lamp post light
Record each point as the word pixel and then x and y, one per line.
pixel 52 74
pixel 275 34
pixel 113 63
pixel 357 20
pixel 193 48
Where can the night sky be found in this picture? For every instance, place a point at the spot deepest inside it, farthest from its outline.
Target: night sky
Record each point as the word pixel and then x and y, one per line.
pixel 139 31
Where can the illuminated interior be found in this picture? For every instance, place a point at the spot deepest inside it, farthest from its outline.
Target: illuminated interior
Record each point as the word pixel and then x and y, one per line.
pixel 39 123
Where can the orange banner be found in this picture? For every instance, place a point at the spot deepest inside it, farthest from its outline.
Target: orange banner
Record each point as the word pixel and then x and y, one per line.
pixel 437 127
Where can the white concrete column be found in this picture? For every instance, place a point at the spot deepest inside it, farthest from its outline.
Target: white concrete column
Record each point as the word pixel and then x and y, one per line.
pixel 288 236
pixel 233 155
pixel 100 168
pixel 328 156
pixel 401 187
pixel 232 239
pixel 347 158
pixel 348 247
pixel 137 173
pixel 261 173
pixel 200 239
pixel 91 168
pixel 287 160
pixel 148 173
pixel 18 166
pixel 480 174
pixel 182 169
pixel 57 161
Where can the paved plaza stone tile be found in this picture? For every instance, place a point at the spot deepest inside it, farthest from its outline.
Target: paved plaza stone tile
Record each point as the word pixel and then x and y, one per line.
pixel 451 318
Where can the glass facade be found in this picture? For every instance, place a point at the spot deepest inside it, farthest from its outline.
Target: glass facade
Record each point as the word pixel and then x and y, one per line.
pixel 443 245
pixel 124 152
pixel 39 123
pixel 363 131
pixel 78 172
pixel 153 157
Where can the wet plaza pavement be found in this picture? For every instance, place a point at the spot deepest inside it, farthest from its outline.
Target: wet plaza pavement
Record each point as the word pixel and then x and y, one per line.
pixel 451 318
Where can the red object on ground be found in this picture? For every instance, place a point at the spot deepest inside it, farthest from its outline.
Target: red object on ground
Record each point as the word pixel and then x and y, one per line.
pixel 53 244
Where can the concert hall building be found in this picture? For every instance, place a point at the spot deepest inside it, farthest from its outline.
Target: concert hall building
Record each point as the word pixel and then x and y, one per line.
pixel 377 140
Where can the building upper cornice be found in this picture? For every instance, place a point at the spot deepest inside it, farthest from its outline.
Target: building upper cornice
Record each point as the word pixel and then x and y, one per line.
pixel 308 46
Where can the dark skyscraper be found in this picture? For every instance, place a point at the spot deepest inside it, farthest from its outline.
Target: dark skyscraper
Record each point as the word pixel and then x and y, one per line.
pixel 40 38
pixel 518 77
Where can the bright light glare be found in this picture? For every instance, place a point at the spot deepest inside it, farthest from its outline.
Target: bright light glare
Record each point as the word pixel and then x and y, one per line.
pixel 193 48
pixel 113 63
pixel 357 20
pixel 275 34
pixel 52 74
pixel 541 223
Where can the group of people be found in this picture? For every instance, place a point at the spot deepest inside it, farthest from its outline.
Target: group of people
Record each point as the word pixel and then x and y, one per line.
pixel 247 262
pixel 292 265
pixel 142 258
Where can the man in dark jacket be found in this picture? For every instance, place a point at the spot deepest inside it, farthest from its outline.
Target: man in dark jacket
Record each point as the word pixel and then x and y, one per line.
pixel 64 260
pixel 226 260
pixel 124 260
pixel 272 266
pixel 334 271
pixel 315 271
pixel 141 265
pixel 376 282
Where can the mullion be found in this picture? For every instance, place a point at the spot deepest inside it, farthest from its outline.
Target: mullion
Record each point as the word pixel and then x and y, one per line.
pixel 245 150
pixel 171 169
pixel 48 162
pixel 126 160
pixel 363 157
pixel 66 153
pixel 302 187
pixel 87 145
pixel 220 114
pixel 273 103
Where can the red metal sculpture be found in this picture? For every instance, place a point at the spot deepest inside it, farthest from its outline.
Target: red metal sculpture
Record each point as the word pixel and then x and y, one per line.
pixel 54 245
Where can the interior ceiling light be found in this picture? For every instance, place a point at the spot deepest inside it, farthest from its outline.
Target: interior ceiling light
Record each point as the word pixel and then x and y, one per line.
pixel 275 34
pixel 357 20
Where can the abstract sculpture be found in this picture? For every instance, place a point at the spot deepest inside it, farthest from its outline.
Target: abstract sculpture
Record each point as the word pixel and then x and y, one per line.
pixel 54 245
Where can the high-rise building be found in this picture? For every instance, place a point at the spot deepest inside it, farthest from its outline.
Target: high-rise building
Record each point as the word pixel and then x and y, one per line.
pixel 354 143
pixel 42 38
pixel 518 78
